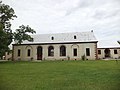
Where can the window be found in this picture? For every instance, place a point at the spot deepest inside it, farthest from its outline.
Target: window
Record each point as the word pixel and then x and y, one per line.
pixel 50 51
pixel 75 52
pixel 52 38
pixel 87 51
pixel 62 51
pixel 115 51
pixel 75 37
pixel 28 52
pixel 18 52
pixel 99 51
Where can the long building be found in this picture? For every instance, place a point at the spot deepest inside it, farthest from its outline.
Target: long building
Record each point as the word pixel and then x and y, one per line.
pixel 59 46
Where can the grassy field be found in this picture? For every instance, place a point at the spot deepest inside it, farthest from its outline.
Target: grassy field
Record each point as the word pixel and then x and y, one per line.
pixel 60 75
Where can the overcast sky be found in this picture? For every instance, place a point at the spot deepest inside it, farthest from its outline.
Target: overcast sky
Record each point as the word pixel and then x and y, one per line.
pixel 61 16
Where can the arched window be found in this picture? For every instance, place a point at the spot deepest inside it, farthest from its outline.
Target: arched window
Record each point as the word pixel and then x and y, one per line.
pixel 39 53
pixel 62 51
pixel 28 52
pixel 50 51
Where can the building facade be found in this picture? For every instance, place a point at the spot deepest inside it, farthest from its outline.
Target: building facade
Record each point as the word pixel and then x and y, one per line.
pixel 113 53
pixel 63 46
pixel 108 49
pixel 8 55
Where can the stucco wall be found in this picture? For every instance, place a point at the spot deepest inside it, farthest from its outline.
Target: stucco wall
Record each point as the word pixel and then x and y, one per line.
pixel 112 55
pixel 81 50
pixel 8 55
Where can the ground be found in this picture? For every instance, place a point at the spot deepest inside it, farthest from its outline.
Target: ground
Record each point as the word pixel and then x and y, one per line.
pixel 60 75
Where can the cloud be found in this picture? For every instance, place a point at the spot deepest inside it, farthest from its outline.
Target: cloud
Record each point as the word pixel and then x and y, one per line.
pixel 106 13
pixel 55 16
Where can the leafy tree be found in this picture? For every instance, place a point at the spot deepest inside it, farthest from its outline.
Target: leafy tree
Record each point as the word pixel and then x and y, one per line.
pixel 6 35
pixel 6 14
pixel 21 34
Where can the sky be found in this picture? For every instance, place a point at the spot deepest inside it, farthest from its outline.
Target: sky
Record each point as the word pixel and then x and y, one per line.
pixel 62 16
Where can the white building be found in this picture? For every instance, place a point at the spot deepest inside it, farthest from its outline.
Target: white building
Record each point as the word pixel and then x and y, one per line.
pixel 8 55
pixel 61 46
pixel 108 49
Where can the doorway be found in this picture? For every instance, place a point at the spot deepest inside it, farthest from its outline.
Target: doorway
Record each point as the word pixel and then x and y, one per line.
pixel 39 53
pixel 107 53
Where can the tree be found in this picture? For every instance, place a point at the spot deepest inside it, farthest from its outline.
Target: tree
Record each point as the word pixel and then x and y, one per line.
pixel 6 14
pixel 21 34
pixel 6 35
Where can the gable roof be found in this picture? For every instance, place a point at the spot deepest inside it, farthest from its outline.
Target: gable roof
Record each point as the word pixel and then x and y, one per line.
pixel 63 38
pixel 108 44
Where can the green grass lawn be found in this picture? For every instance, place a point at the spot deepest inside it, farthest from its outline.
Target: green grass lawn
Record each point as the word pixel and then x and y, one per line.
pixel 60 75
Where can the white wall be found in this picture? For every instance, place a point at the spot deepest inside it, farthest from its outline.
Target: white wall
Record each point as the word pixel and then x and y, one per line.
pixel 112 55
pixel 8 55
pixel 81 50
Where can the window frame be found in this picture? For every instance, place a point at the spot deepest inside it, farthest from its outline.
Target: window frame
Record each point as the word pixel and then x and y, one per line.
pixel 50 51
pixel 87 51
pixel 74 51
pixel 28 52
pixel 62 50
pixel 19 53
pixel 52 38
pixel 115 51
pixel 75 37
pixel 99 51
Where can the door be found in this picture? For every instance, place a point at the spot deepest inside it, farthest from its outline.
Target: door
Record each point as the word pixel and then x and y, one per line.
pixel 107 53
pixel 39 53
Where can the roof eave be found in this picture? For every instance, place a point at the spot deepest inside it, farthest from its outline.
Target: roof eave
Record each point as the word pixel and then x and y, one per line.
pixel 55 43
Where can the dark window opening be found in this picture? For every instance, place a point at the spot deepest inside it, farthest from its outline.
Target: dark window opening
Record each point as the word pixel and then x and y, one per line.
pixel 18 52
pixel 99 51
pixel 39 53
pixel 107 52
pixel 52 38
pixel 62 51
pixel 115 52
pixel 50 51
pixel 75 37
pixel 28 52
pixel 75 52
pixel 87 51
